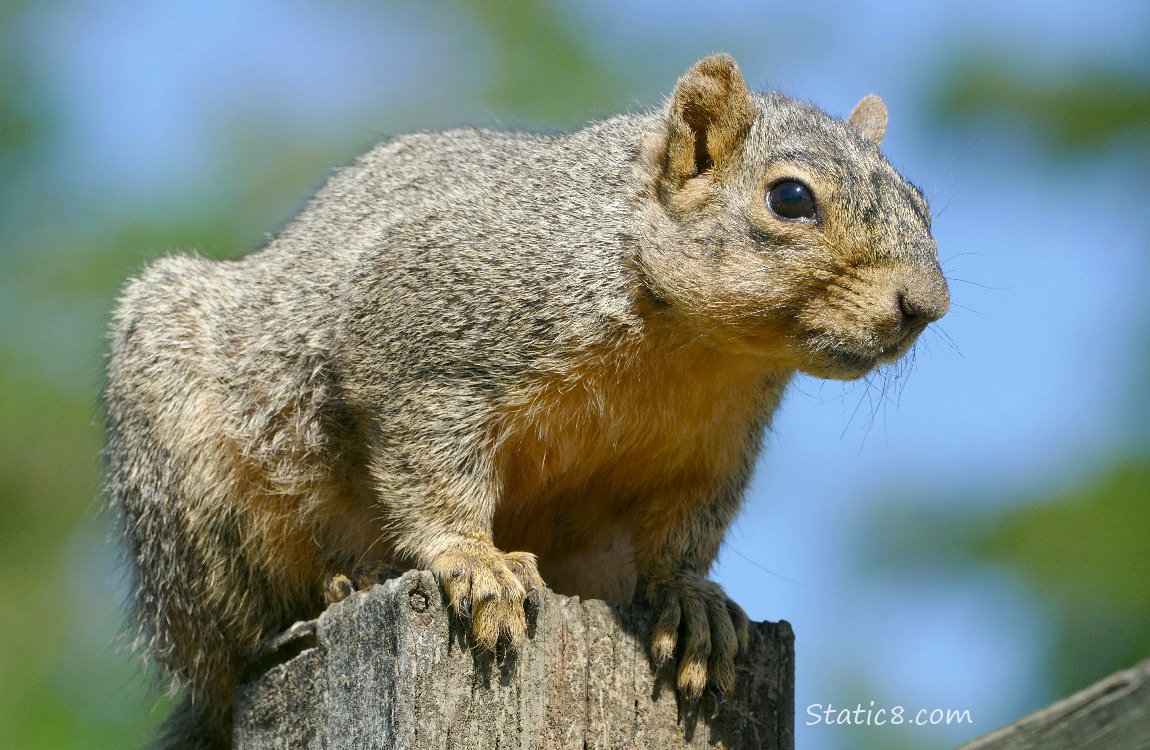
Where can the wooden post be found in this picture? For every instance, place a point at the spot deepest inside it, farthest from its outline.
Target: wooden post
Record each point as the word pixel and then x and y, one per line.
pixel 388 668
pixel 1113 714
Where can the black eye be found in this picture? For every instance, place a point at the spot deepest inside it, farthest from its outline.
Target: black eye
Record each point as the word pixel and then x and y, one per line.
pixel 792 200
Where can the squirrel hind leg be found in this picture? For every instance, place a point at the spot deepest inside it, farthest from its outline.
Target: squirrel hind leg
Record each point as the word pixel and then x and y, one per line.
pixel 200 721
pixel 339 586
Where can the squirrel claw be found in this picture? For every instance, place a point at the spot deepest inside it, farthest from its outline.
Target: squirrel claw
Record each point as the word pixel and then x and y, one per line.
pixel 696 623
pixel 492 591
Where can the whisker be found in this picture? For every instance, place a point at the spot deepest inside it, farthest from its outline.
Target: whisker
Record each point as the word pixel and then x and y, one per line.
pixel 946 338
pixel 950 279
pixel 969 309
pixel 969 253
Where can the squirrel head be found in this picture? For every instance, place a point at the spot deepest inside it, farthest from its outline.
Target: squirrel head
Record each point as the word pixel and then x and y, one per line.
pixel 778 230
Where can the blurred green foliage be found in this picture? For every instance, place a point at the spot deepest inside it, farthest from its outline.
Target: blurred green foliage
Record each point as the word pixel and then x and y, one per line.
pixel 1082 110
pixel 1083 550
pixel 535 45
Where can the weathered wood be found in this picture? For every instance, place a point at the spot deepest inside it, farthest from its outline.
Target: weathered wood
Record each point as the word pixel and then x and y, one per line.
pixel 388 668
pixel 1113 714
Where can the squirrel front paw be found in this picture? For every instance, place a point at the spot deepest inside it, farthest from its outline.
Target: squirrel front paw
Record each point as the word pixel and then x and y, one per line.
pixel 491 589
pixel 707 629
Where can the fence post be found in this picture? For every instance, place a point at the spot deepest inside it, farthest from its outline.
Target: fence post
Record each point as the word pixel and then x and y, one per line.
pixel 388 668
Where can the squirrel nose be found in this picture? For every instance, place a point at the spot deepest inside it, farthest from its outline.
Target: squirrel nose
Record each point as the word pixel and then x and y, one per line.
pixel 920 307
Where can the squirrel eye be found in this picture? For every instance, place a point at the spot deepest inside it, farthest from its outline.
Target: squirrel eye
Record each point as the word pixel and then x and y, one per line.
pixel 792 200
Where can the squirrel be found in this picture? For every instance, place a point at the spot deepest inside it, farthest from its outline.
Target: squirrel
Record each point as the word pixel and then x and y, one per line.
pixel 508 358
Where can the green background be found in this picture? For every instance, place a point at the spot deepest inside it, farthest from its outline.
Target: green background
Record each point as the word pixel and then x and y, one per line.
pixel 1072 549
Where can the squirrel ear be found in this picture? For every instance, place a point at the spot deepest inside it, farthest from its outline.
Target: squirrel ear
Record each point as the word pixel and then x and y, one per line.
pixel 710 113
pixel 869 118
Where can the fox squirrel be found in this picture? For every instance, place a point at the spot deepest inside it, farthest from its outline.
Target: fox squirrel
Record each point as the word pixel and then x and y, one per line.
pixel 507 358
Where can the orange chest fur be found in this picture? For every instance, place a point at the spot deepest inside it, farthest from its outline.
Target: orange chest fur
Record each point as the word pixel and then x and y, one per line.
pixel 603 444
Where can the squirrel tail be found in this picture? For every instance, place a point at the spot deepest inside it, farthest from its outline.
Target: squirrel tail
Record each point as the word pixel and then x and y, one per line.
pixel 198 722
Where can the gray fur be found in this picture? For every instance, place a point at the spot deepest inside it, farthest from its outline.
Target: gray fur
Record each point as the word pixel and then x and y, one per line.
pixel 350 395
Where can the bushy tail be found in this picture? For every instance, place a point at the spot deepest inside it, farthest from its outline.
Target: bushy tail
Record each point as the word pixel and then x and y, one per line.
pixel 198 722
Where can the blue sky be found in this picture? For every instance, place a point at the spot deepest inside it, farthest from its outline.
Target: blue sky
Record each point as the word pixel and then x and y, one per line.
pixel 1047 266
